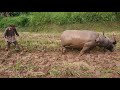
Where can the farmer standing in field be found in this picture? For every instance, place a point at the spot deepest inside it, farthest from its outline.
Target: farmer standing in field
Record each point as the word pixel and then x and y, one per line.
pixel 9 36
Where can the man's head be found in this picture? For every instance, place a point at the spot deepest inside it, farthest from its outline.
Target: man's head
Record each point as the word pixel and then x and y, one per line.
pixel 11 27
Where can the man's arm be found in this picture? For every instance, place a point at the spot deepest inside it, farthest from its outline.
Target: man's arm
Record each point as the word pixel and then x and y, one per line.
pixel 16 32
pixel 5 33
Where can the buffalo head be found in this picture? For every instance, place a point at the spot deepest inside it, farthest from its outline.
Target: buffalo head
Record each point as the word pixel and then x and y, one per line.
pixel 107 43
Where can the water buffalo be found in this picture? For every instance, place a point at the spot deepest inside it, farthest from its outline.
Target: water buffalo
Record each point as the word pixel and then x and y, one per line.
pixel 86 40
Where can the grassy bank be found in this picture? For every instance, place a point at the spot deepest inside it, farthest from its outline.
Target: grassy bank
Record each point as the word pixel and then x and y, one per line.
pixel 58 18
pixel 100 26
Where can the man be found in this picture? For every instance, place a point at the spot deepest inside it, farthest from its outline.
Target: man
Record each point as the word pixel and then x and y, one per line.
pixel 9 36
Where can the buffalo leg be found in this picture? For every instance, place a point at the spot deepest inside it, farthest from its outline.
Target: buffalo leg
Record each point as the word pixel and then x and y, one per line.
pixel 87 47
pixel 104 49
pixel 88 51
pixel 63 50
pixel 84 50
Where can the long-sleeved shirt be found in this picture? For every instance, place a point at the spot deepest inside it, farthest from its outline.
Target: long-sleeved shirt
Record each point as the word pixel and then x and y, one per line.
pixel 10 34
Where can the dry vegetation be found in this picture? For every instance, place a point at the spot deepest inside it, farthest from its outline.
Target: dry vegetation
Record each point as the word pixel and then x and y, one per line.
pixel 40 56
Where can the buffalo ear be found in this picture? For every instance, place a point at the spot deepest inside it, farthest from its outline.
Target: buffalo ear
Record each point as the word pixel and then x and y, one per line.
pixel 104 34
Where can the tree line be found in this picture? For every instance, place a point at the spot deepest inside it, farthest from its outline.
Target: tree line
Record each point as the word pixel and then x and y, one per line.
pixel 6 14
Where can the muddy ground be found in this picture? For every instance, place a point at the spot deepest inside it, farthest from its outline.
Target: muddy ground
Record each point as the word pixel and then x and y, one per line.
pixel 54 64
pixel 40 57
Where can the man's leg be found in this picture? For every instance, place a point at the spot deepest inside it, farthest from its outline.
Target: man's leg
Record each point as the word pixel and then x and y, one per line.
pixel 16 45
pixel 7 45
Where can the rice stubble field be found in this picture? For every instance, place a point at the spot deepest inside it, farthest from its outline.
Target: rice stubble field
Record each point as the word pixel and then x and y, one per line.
pixel 41 57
